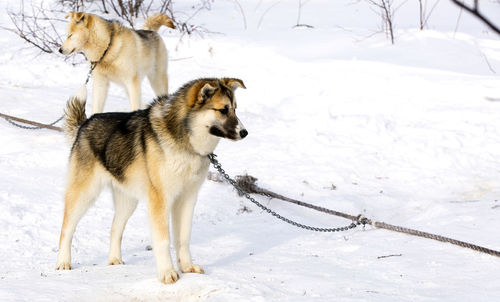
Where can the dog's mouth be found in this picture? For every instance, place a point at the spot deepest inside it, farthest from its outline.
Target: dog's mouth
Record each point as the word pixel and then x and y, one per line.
pixel 217 132
pixel 232 135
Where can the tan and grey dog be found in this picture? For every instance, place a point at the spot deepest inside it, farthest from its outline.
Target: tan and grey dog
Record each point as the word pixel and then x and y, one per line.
pixel 122 55
pixel 158 154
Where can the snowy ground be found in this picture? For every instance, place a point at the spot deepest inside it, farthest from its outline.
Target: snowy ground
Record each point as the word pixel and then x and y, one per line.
pixel 407 134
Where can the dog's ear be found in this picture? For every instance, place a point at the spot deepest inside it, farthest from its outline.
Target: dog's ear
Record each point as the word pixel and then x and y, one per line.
pixel 233 83
pixel 77 16
pixel 199 93
pixel 206 92
pixel 80 17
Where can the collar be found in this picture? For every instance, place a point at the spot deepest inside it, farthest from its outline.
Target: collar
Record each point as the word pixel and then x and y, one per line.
pixel 93 64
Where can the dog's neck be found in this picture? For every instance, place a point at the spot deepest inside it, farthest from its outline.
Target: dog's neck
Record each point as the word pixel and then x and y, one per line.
pixel 98 43
pixel 201 140
pixel 185 132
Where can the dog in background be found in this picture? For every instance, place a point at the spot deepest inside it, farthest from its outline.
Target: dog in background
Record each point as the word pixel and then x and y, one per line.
pixel 159 154
pixel 120 54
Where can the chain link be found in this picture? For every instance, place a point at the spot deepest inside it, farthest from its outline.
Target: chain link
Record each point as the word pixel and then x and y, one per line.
pixel 219 168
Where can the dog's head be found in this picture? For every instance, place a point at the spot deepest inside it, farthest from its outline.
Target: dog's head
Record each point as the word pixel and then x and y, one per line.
pixel 213 103
pixel 78 33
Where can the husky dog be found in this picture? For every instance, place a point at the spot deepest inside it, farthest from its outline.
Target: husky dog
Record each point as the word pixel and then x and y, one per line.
pixel 120 54
pixel 159 154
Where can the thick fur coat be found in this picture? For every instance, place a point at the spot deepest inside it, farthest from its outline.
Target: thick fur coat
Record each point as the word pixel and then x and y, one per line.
pixel 158 154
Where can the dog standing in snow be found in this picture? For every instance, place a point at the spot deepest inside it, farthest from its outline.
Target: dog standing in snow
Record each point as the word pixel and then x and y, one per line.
pixel 120 55
pixel 158 154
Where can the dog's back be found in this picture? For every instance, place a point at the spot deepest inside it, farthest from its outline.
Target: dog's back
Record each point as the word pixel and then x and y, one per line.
pixel 113 139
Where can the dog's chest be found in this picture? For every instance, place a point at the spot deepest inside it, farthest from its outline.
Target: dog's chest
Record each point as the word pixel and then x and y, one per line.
pixel 185 167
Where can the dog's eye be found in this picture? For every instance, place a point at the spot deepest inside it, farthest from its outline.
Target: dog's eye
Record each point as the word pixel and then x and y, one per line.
pixel 225 110
pixel 69 36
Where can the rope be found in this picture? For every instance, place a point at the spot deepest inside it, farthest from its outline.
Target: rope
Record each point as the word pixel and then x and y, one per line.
pixel 245 185
pixel 36 125
pixel 395 228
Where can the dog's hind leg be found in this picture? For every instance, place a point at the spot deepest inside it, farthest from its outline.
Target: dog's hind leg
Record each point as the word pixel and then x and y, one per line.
pixel 124 208
pixel 133 88
pixel 159 82
pixel 99 92
pixel 157 76
pixel 182 217
pixel 82 190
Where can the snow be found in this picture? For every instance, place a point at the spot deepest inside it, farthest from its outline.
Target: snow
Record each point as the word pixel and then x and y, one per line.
pixel 407 134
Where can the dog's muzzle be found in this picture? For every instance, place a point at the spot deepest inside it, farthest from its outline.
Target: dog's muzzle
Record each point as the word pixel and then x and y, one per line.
pixel 233 135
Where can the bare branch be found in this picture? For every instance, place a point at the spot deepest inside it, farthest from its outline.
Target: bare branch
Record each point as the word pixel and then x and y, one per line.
pixel 430 12
pixel 37 25
pixel 265 12
pixel 387 14
pixel 36 29
pixel 474 10
pixel 242 13
pixel 299 13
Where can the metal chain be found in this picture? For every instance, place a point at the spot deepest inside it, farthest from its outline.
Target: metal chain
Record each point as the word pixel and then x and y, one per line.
pixel 32 127
pixel 218 167
pixel 89 74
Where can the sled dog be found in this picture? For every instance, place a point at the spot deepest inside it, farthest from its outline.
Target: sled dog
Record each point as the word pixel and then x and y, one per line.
pixel 158 154
pixel 120 54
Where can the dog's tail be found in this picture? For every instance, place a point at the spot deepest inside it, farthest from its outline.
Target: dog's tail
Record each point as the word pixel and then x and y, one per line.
pixel 156 21
pixel 75 114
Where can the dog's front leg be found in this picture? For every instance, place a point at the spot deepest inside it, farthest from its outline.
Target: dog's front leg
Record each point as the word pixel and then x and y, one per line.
pixel 99 92
pixel 182 219
pixel 158 213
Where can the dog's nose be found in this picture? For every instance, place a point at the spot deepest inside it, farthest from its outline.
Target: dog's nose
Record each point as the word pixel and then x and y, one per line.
pixel 60 50
pixel 243 133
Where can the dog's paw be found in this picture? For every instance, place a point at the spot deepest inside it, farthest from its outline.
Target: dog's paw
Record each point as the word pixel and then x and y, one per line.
pixel 193 268
pixel 63 265
pixel 168 276
pixel 115 261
